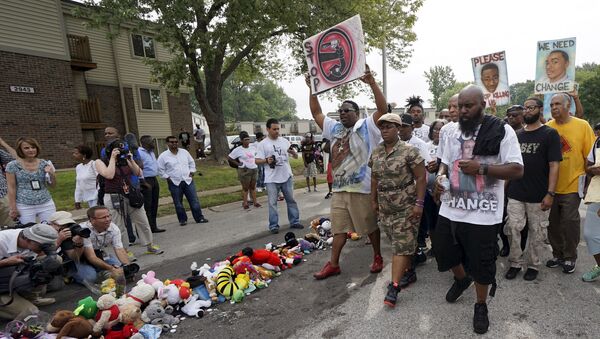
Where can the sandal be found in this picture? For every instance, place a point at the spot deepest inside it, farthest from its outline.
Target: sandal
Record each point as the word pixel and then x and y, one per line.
pixel 245 206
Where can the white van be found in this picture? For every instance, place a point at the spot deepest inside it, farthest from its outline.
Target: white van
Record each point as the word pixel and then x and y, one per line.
pixel 295 141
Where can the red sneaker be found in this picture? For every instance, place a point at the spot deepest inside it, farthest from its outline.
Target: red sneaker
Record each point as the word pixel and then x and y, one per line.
pixel 327 271
pixel 377 264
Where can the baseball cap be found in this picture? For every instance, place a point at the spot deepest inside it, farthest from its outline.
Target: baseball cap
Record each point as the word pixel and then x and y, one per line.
pixel 390 117
pixel 41 233
pixel 406 119
pixel 61 218
pixel 514 108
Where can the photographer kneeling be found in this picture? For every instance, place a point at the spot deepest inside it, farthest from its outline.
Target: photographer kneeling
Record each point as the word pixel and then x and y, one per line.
pixel 104 233
pixel 70 241
pixel 21 273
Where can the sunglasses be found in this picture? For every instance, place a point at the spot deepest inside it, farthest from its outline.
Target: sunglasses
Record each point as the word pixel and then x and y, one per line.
pixel 346 110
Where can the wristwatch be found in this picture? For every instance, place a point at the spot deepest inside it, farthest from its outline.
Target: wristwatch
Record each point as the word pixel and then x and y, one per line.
pixel 552 194
pixel 483 169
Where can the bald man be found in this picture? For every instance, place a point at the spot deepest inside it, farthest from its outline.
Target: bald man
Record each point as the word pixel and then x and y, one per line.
pixel 468 222
pixel 577 138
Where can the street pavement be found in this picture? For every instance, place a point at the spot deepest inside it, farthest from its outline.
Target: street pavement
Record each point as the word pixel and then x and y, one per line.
pixel 350 305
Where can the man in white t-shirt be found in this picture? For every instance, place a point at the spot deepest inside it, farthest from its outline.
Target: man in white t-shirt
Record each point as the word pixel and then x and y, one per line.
pixel 480 152
pixel 352 142
pixel 199 137
pixel 417 112
pixel 273 151
pixel 453 116
pixel 244 156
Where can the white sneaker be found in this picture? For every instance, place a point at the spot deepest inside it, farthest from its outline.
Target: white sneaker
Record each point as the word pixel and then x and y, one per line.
pixel 259 189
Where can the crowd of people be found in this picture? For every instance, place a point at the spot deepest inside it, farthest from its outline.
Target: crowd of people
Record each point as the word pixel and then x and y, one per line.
pixel 42 248
pixel 463 181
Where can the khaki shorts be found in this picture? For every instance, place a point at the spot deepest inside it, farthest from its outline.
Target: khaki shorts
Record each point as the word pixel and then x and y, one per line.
pixel 247 176
pixel 351 212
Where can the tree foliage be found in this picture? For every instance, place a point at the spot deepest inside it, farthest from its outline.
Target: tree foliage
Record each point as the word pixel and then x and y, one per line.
pixel 449 92
pixel 520 91
pixel 210 39
pixel 588 77
pixel 439 78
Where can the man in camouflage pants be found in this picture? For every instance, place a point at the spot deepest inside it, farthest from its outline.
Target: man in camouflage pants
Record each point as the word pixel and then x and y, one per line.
pixel 397 177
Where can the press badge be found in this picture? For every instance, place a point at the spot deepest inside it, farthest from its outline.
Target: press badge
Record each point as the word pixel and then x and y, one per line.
pixel 35 185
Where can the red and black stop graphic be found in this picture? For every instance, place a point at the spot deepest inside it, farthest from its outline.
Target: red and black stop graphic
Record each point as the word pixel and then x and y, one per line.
pixel 335 55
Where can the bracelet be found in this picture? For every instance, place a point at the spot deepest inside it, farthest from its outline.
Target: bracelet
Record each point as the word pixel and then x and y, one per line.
pixel 421 201
pixel 552 194
pixel 420 205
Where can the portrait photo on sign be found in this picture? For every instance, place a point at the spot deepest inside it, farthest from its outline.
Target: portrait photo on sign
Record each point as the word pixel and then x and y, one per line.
pixel 491 75
pixel 555 66
pixel 336 56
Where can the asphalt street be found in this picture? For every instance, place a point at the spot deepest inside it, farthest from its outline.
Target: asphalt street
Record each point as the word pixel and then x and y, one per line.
pixel 350 305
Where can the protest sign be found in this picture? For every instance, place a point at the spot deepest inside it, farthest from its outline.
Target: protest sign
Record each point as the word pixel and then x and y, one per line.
pixel 491 75
pixel 555 70
pixel 336 56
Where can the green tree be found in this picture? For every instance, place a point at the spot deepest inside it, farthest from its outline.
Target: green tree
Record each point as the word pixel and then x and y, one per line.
pixel 520 91
pixel 211 39
pixel 449 92
pixel 439 78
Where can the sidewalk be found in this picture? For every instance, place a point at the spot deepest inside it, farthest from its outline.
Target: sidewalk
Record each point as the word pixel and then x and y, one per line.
pixel 79 215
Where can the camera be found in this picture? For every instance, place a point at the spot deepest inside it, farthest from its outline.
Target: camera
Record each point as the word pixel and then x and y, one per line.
pixel 76 229
pixel 130 270
pixel 42 271
pixel 123 148
pixel 274 163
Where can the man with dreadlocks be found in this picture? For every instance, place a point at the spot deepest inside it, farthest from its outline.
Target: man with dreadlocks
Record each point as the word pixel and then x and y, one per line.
pixel 352 142
pixel 414 107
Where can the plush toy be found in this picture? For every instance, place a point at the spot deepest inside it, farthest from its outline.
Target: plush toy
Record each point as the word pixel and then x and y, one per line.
pixel 126 332
pixel 265 274
pixel 290 239
pixel 138 296
pixel 108 313
pixel 182 286
pixel 225 282
pixel 210 284
pixel 169 295
pixel 242 281
pixel 131 314
pixel 196 279
pixel 156 314
pixel 108 286
pixel 243 267
pixel 86 308
pixel 238 296
pixel 261 256
pixel 193 307
pixel 65 323
pixel 150 279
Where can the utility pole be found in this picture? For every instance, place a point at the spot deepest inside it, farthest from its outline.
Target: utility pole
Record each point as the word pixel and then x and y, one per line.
pixel 384 70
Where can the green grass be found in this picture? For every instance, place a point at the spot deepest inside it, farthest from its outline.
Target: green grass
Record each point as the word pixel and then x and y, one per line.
pixel 214 176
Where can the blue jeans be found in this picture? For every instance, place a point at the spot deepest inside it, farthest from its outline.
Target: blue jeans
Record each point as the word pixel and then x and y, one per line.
pixel 87 272
pixel 177 193
pixel 287 188
pixel 260 180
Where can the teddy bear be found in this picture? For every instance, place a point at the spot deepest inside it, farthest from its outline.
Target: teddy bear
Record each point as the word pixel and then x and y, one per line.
pixel 131 314
pixel 126 332
pixel 108 313
pixel 150 279
pixel 193 307
pixel 156 314
pixel 66 324
pixel 138 296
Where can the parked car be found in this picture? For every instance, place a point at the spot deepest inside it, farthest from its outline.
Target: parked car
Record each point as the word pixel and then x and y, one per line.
pixel 207 148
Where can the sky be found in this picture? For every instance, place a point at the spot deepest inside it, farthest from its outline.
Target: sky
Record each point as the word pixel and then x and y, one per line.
pixel 451 32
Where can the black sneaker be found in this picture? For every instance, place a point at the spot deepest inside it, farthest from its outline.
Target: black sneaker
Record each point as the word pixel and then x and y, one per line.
pixel 392 295
pixel 274 230
pixel 297 226
pixel 554 262
pixel 421 257
pixel 512 273
pixel 531 274
pixel 568 267
pixel 481 323
pixel 458 288
pixel 408 278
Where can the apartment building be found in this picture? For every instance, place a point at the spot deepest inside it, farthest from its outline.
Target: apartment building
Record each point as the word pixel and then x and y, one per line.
pixel 63 82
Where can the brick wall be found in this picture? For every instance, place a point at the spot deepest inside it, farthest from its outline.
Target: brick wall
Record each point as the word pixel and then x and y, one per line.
pixel 50 114
pixel 181 116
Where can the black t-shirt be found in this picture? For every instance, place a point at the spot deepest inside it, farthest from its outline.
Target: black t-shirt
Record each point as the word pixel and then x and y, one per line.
pixel 308 150
pixel 538 148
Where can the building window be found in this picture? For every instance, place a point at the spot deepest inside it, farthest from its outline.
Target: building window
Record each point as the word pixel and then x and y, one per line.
pixel 143 46
pixel 282 126
pixel 151 99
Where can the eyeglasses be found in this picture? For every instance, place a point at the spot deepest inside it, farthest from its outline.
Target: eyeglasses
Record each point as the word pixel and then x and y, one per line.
pixel 346 110
pixel 531 108
pixel 512 115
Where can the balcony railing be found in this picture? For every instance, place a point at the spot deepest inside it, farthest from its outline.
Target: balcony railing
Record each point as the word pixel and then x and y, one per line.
pixel 89 111
pixel 79 49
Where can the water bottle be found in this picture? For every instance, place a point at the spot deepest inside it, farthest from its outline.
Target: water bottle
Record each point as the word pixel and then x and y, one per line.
pixel 445 196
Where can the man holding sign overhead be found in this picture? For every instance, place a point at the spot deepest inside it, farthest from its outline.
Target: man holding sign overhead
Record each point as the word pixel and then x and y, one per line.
pixel 352 141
